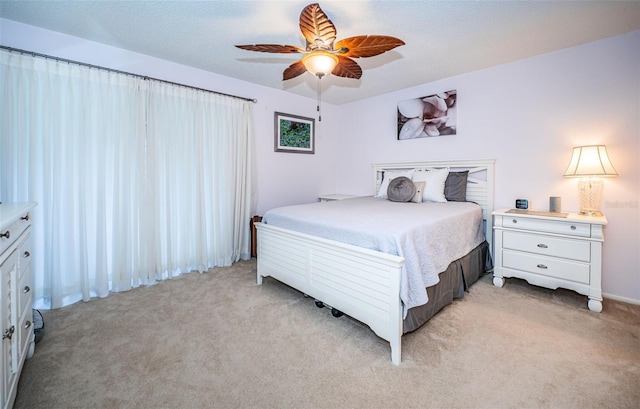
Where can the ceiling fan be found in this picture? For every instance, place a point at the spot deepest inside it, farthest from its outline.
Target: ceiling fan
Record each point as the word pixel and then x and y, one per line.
pixel 322 55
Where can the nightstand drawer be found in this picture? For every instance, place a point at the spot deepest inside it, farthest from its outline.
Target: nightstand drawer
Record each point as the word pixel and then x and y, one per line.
pixel 547 245
pixel 548 226
pixel 548 266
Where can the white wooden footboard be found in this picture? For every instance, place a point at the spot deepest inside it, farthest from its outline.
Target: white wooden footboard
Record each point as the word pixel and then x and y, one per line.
pixel 362 283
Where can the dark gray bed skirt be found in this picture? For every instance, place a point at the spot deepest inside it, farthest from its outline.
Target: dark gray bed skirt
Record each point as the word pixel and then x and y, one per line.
pixel 454 281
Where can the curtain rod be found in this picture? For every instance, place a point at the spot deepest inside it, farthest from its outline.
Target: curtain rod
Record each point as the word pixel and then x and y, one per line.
pixel 17 50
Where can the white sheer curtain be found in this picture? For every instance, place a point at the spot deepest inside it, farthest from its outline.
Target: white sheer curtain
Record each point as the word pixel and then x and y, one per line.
pixel 199 158
pixel 133 184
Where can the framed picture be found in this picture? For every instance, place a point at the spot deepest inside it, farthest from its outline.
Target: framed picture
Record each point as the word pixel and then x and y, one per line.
pixel 433 115
pixel 294 133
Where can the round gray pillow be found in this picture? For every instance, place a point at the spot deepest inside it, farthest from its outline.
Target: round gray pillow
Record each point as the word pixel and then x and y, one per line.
pixel 401 189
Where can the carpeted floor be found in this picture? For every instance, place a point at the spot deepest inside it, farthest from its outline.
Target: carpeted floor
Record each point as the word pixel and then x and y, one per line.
pixel 217 340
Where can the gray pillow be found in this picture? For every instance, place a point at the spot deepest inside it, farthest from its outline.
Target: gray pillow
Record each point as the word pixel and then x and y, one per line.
pixel 455 187
pixel 401 189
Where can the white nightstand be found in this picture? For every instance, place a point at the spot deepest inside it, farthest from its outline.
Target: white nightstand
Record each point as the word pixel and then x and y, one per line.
pixel 332 197
pixel 551 251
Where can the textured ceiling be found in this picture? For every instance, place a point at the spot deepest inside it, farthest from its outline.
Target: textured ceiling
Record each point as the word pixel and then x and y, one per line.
pixel 443 38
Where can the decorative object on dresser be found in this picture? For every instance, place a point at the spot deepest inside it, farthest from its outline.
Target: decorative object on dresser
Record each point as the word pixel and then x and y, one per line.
pixel 522 204
pixel 551 251
pixel 590 163
pixel 16 296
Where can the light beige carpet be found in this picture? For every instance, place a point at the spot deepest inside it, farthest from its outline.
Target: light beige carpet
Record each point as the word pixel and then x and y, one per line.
pixel 218 340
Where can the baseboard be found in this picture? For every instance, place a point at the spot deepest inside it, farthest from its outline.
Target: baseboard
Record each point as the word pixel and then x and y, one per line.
pixel 623 299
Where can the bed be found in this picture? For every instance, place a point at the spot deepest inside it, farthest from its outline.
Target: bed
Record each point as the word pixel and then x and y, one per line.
pixel 345 264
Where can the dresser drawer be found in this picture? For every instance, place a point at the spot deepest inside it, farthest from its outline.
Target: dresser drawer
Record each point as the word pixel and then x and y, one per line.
pixel 548 226
pixel 547 245
pixel 25 291
pixel 24 253
pixel 13 231
pixel 547 266
pixel 25 334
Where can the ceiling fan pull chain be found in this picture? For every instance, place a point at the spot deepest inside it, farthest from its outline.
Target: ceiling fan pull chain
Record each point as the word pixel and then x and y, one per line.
pixel 319 98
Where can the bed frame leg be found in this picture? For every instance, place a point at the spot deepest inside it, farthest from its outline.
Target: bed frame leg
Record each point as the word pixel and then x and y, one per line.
pixel 259 279
pixel 396 352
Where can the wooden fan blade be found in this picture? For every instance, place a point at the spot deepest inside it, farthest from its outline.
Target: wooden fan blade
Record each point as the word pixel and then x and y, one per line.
pixel 316 27
pixel 367 46
pixel 347 68
pixel 294 70
pixel 272 48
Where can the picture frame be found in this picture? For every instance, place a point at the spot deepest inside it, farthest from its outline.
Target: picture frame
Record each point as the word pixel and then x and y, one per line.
pixel 293 133
pixel 428 116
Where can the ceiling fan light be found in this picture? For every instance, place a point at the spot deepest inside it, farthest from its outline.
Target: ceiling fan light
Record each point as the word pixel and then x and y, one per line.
pixel 320 62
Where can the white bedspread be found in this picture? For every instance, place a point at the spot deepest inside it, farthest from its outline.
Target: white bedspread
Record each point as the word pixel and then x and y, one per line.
pixel 428 235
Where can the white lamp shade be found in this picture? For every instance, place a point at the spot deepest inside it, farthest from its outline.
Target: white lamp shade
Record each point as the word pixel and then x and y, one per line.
pixel 319 62
pixel 590 161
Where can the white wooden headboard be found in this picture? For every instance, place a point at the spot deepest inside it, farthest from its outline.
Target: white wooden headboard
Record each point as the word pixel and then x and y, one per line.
pixel 479 182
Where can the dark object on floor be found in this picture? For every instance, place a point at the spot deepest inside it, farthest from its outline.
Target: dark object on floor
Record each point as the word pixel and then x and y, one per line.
pixel 38 325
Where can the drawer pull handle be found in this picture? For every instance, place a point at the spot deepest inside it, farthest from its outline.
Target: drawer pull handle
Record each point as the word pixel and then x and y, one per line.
pixel 26 254
pixel 542 266
pixel 26 289
pixel 6 234
pixel 573 227
pixel 8 333
pixel 514 220
pixel 543 246
pixel 27 325
pixel 25 217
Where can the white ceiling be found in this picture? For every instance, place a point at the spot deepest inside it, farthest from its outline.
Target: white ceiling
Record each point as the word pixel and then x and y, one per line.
pixel 443 38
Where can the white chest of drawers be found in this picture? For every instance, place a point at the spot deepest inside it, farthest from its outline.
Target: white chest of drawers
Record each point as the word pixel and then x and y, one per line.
pixel 16 297
pixel 551 252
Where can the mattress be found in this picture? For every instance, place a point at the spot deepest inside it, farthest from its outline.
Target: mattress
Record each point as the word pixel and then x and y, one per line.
pixel 429 236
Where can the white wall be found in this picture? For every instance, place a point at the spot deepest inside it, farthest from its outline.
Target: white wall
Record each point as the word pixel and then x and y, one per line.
pixel 281 178
pixel 528 115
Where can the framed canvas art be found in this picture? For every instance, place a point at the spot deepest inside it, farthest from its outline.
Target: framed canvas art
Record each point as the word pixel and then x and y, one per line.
pixel 294 133
pixel 433 115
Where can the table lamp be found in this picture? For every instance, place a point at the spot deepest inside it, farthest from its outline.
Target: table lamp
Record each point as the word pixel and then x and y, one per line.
pixel 590 163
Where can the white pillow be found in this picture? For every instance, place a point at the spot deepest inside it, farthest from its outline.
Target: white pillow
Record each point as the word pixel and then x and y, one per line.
pixel 388 176
pixel 434 184
pixel 417 198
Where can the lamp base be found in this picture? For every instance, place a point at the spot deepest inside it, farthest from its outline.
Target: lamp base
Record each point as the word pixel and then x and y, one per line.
pixel 591 213
pixel 590 190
